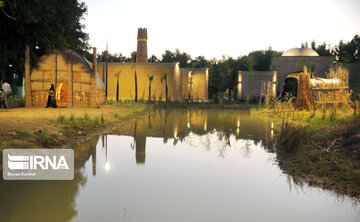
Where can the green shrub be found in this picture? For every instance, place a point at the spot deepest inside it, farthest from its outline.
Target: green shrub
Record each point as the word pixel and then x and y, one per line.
pixel 16 101
pixel 43 138
pixel 86 117
pixel 61 118
pixel 102 118
pixel 96 120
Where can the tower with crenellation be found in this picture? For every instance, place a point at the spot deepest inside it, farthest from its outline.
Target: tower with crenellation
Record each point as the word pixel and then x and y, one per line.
pixel 141 52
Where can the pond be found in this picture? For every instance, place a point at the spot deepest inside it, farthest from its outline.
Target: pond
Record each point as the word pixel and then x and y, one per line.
pixel 177 165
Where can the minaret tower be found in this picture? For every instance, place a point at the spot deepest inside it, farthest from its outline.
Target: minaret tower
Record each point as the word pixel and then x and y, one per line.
pixel 141 52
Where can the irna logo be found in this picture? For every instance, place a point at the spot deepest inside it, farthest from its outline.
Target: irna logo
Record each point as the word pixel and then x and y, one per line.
pixel 36 162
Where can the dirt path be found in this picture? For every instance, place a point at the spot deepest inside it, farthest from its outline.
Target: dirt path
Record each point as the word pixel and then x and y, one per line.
pixel 31 127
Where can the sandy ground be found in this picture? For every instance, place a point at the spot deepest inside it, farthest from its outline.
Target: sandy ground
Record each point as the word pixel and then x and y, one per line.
pixel 16 122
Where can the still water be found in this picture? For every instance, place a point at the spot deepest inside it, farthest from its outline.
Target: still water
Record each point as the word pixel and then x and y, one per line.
pixel 177 165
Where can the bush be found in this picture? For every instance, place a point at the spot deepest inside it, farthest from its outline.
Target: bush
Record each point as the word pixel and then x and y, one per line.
pixel 291 137
pixel 16 101
pixel 61 118
pixel 43 138
pixel 96 120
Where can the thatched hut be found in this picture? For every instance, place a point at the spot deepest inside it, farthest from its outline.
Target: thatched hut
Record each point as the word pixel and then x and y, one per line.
pixel 313 90
pixel 74 77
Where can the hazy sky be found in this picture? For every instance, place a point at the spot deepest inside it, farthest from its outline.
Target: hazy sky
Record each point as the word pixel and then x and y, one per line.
pixel 222 27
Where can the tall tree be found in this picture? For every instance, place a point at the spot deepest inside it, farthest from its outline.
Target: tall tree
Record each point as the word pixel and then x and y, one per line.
pixel 44 26
pixel 153 59
pixel 348 52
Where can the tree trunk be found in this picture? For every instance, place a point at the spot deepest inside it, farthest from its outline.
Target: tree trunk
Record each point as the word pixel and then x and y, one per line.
pixel 166 91
pixel 93 81
pixel 28 100
pixel 136 95
pixel 117 90
pixel 149 92
pixel 230 87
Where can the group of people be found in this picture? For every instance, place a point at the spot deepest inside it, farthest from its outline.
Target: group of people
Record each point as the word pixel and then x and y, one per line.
pixel 5 92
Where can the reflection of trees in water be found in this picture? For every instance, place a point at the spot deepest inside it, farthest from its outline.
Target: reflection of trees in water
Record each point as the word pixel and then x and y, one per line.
pixel 46 200
pixel 180 124
pixel 300 186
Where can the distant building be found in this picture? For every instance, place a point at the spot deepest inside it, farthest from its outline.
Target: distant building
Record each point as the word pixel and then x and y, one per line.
pixel 252 83
pixel 294 60
pixel 180 82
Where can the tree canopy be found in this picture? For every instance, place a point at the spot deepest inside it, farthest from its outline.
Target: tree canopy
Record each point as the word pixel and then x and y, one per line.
pixel 43 25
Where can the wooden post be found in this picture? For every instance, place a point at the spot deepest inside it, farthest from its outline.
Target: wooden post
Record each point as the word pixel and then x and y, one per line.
pixel 304 96
pixel 28 102
pixel 71 82
pixel 93 81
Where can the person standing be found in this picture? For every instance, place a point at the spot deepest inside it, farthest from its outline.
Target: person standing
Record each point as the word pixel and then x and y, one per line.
pixel 51 97
pixel 2 99
pixel 7 90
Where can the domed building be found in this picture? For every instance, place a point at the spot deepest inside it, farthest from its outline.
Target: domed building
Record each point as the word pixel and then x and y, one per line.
pixel 300 52
pixel 259 83
pixel 294 60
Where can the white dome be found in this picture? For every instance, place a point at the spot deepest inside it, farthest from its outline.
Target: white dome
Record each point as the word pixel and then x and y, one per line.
pixel 300 52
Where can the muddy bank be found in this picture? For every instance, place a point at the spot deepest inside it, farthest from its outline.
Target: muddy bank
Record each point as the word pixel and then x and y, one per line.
pixel 328 157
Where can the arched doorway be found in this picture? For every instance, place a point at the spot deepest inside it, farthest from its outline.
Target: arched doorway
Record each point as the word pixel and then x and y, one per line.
pixel 62 95
pixel 290 86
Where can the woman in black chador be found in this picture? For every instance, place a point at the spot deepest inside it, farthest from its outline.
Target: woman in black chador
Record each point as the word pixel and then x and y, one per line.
pixel 51 99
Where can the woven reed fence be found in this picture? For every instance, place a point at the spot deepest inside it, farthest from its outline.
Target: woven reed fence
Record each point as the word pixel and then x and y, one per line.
pixel 333 90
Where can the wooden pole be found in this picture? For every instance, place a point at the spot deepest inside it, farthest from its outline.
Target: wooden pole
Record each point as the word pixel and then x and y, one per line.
pixel 93 81
pixel 28 102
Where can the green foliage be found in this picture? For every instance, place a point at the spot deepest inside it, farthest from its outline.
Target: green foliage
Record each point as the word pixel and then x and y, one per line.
pixel 86 117
pixel 102 118
pixel 74 123
pixel 343 52
pixel 61 118
pixel 44 26
pixel 16 101
pixel 151 78
pixel 96 120
pixel 43 138
pixel 72 118
pixel 348 52
pixel 21 135
pixel 291 137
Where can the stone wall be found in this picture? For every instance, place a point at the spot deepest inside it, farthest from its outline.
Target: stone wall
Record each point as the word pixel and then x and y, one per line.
pixel 195 81
pixel 354 76
pixel 251 82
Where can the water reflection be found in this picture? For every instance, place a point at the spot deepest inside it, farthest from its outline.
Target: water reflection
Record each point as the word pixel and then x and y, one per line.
pixel 46 200
pixel 180 124
pixel 177 165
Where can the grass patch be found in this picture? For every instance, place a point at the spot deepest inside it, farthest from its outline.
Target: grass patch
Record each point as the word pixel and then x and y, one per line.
pixel 19 144
pixel 311 144
pixel 20 135
pixel 291 137
pixel 102 119
pixel 86 117
pixel 44 139
pixel 96 120
pixel 61 118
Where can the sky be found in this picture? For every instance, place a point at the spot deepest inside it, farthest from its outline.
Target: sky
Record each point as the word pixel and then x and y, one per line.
pixel 216 28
